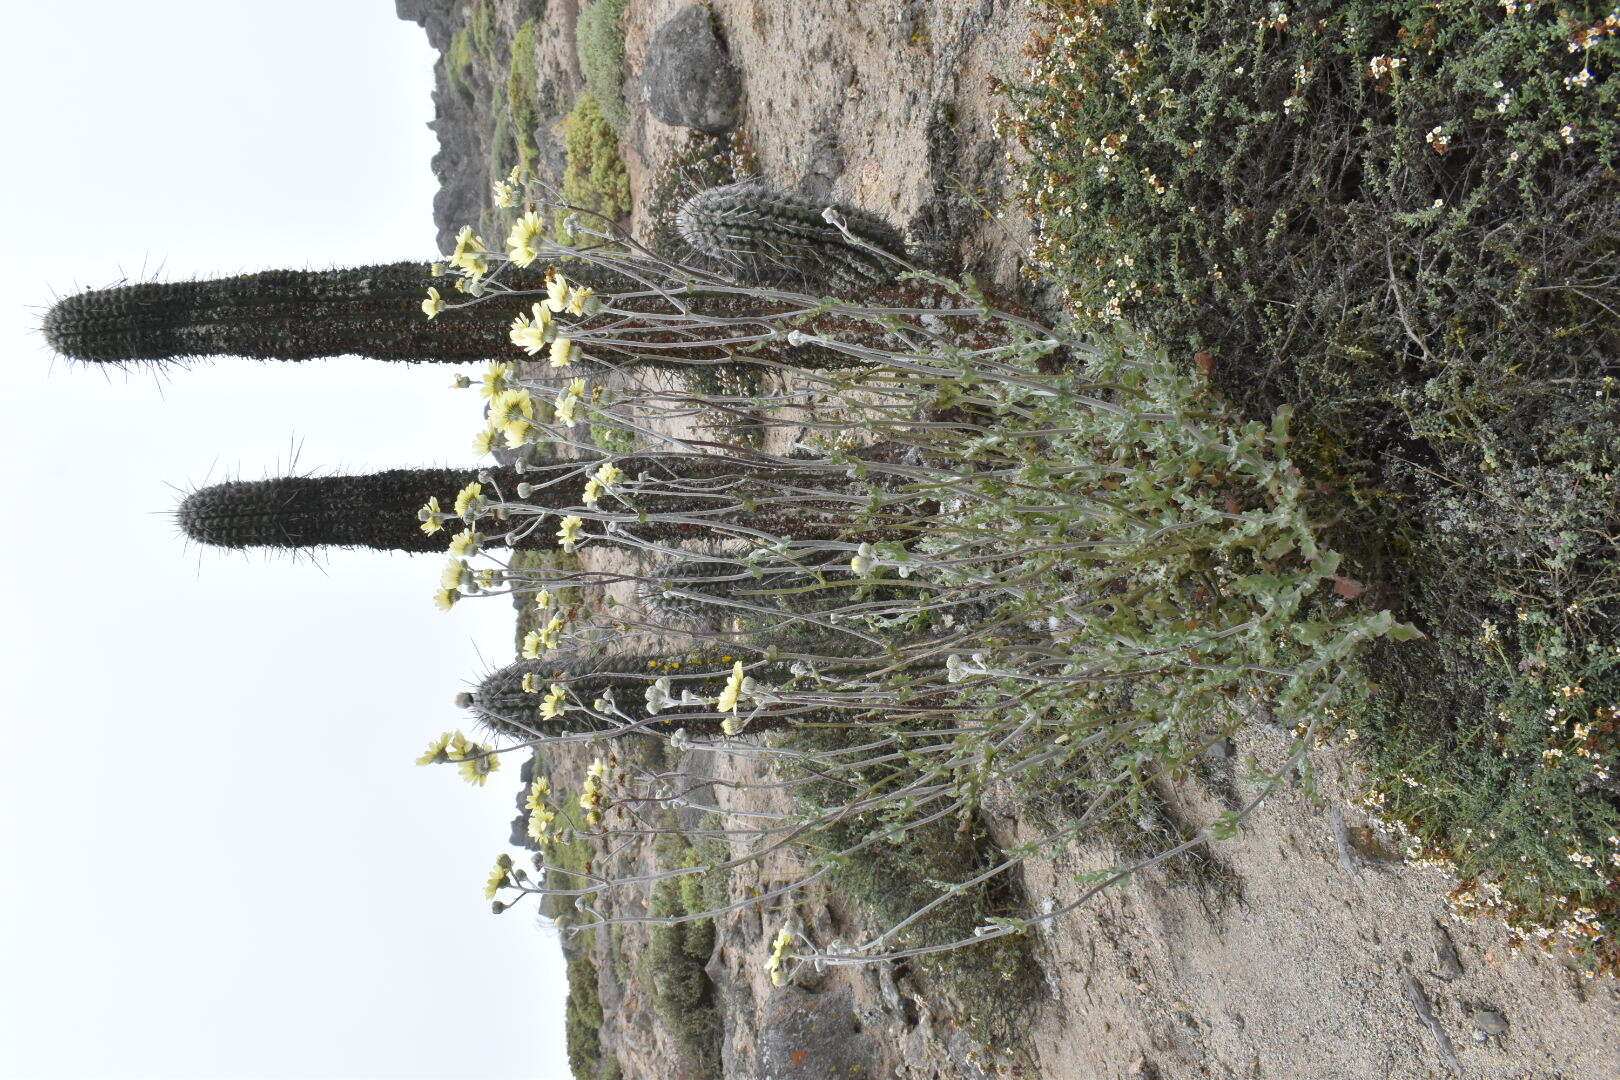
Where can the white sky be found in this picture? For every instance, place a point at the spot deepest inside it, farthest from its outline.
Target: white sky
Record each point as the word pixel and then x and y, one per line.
pixel 219 858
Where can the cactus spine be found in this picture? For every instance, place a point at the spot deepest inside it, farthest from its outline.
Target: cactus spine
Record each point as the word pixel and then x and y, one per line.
pixel 771 237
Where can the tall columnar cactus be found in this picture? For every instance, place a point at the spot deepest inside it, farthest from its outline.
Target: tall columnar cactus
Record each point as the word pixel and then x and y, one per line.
pixel 503 705
pixel 772 237
pixel 379 510
pixel 372 311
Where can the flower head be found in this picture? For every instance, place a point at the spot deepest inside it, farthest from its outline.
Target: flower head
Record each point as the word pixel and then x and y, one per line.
pixel 429 516
pixel 521 243
pixel 779 948
pixel 556 292
pixel 433 304
pixel 470 255
pixel 556 698
pixel 568 536
pixel 438 751
pixel 582 301
pixel 446 598
pixel 566 408
pixel 733 690
pixel 531 645
pixel 562 352
pixel 499 878
pixel 469 500
pixel 494 380
pixel 477 764
pixel 465 542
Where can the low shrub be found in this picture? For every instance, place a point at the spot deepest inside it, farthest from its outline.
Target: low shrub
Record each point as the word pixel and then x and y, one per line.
pixel 600 38
pixel 595 177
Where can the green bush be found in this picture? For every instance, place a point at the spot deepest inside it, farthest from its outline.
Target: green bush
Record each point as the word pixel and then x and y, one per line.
pixel 583 1019
pixel 458 60
pixel 673 967
pixel 1400 218
pixel 595 177
pixel 600 37
pixel 522 93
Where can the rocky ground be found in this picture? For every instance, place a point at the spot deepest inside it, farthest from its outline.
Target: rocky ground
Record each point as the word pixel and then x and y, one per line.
pixel 1303 948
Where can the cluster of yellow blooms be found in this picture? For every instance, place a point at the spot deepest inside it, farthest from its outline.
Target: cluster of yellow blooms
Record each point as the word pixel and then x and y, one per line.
pixel 733 724
pixel 537 643
pixel 779 948
pixel 570 533
pixel 499 878
pixel 540 815
pixel 477 761
pixel 590 800
pixel 600 481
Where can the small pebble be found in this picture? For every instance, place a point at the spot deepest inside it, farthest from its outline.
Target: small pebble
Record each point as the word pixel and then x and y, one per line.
pixel 1490 1021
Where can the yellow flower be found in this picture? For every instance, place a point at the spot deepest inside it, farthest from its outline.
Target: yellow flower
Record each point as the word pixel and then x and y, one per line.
pixel 526 335
pixel 494 380
pixel 556 292
pixel 509 405
pixel 779 948
pixel 553 705
pixel 459 746
pixel 470 255
pixel 566 409
pixel 516 432
pixel 531 645
pixel 543 599
pixel 561 352
pixel 582 301
pixel 733 690
pixel 437 751
pixel 551 636
pixel 445 599
pixel 456 574
pixel 540 819
pixel 521 246
pixel 593 492
pixel 484 441
pixel 487 579
pixel 465 542
pixel 478 764
pixel 504 192
pixel 568 535
pixel 468 501
pixel 433 304
pixel 608 475
pixel 538 790
pixel 531 682
pixel 498 879
pixel 429 516
pixel 590 800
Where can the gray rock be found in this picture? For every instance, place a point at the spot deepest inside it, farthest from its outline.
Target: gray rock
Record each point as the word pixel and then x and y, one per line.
pixel 814 1037
pixel 688 78
pixel 1448 965
pixel 1490 1021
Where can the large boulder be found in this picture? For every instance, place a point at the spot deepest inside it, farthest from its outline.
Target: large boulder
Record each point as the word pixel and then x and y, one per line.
pixel 688 77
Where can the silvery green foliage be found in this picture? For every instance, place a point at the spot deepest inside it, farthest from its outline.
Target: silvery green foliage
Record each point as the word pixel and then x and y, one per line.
pixel 770 237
